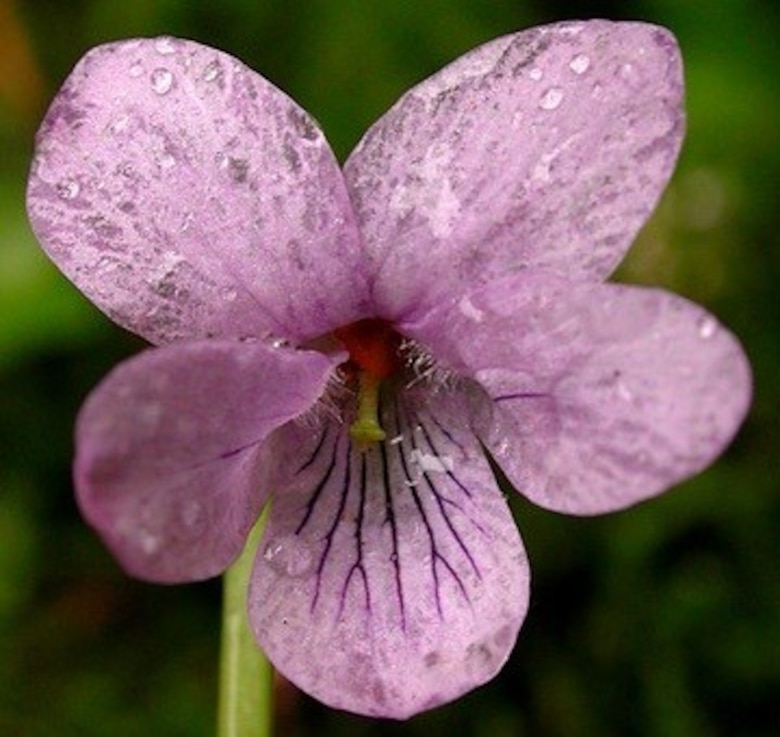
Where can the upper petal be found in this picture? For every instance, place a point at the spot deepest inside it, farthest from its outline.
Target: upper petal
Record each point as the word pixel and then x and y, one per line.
pixel 167 450
pixel 546 148
pixel 392 580
pixel 604 394
pixel 188 197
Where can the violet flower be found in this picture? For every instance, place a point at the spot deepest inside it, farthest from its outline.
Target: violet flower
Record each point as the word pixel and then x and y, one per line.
pixel 351 343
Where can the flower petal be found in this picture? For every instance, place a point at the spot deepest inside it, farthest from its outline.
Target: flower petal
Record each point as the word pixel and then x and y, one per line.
pixel 604 395
pixel 392 580
pixel 167 450
pixel 188 197
pixel 547 148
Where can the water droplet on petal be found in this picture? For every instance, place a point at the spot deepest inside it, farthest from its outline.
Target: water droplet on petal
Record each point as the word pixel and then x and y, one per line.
pixel 162 80
pixel 68 189
pixel 707 327
pixel 166 160
pixel 289 556
pixel 120 124
pixel 150 543
pixel 551 99
pixel 192 516
pixel 186 221
pixel 630 74
pixel 624 392
pixel 580 64
pixel 165 46
pixel 536 74
pixel 212 71
pixel 137 69
pixel 238 169
pixel 429 463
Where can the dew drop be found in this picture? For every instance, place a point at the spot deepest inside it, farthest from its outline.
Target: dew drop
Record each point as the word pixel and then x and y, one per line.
pixel 536 74
pixel 120 124
pixel 551 99
pixel 150 543
pixel 165 46
pixel 166 160
pixel 68 189
pixel 580 64
pixel 289 556
pixel 162 81
pixel 137 69
pixel 630 74
pixel 192 516
pixel 707 327
pixel 212 72
pixel 430 463
pixel 479 657
pixel 186 221
pixel 280 343
pixel 126 169
pixel 624 392
pixel 238 169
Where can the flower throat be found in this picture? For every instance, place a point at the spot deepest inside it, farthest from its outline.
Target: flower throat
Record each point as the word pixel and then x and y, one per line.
pixel 373 348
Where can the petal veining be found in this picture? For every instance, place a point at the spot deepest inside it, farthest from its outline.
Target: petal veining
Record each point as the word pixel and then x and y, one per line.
pixel 605 394
pixel 394 579
pixel 547 148
pixel 188 197
pixel 168 466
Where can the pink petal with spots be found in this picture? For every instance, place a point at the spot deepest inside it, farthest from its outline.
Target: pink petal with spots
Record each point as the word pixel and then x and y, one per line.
pixel 188 197
pixel 547 148
pixel 167 466
pixel 394 580
pixel 604 395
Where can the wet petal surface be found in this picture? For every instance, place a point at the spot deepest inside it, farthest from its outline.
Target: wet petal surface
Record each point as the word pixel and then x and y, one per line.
pixel 188 197
pixel 604 395
pixel 168 446
pixel 393 580
pixel 547 148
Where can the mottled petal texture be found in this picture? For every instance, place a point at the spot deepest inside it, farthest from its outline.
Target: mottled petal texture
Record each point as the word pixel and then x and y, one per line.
pixel 604 395
pixel 167 450
pixel 394 580
pixel 188 198
pixel 547 148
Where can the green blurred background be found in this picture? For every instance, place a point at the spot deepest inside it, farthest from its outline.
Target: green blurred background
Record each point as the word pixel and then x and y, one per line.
pixel 663 620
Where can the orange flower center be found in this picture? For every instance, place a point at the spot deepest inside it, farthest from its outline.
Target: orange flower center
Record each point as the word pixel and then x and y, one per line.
pixel 373 348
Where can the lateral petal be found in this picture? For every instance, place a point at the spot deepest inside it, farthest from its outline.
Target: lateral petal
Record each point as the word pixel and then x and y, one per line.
pixel 604 394
pixel 189 198
pixel 548 148
pixel 167 450
pixel 392 580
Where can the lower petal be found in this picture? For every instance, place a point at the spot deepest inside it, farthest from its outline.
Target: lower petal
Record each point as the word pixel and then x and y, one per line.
pixel 392 580
pixel 168 445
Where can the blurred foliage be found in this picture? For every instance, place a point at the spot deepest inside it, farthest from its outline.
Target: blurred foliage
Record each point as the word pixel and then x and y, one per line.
pixel 663 620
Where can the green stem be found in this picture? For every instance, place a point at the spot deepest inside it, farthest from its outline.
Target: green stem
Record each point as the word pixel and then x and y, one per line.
pixel 245 675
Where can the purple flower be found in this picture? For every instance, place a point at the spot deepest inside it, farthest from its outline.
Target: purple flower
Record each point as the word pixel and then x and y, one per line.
pixel 351 344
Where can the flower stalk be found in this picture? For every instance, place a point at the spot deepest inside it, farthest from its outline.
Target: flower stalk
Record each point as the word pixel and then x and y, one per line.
pixel 245 676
